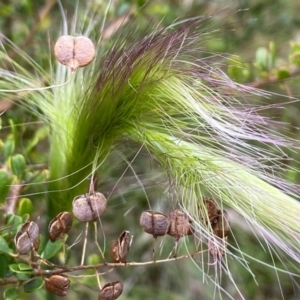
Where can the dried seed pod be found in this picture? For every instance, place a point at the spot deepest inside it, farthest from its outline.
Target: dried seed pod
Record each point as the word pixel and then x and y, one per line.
pixel 60 225
pixel 111 291
pixel 74 52
pixel 119 249
pixel 27 238
pixel 89 207
pixel 217 247
pixel 220 225
pixel 212 211
pixel 154 223
pixel 180 224
pixel 58 285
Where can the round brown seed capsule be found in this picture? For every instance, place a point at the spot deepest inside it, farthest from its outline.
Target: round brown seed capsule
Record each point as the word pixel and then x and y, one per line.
pixel 73 51
pixel 111 291
pixel 212 211
pixel 220 225
pixel 154 223
pixel 89 207
pixel 58 285
pixel 27 238
pixel 180 224
pixel 217 247
pixel 60 225
pixel 119 249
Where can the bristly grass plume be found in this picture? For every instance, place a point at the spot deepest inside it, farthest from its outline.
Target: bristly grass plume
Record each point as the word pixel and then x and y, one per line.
pixel 162 91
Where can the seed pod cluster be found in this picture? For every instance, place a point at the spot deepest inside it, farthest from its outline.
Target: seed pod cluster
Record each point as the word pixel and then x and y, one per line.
pixel 27 238
pixel 154 223
pixel 74 52
pixel 60 225
pixel 89 207
pixel 58 285
pixel 119 249
pixel 111 291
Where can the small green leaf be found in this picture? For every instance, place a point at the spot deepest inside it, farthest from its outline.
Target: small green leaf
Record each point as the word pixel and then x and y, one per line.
pixel 4 269
pixel 52 248
pixel 16 268
pixel 25 207
pixel 4 246
pixel 8 148
pixel 23 276
pixel 33 285
pixel 283 74
pixel 262 59
pixel 18 165
pixel 24 267
pixel 11 294
pixel 5 182
pixel 40 134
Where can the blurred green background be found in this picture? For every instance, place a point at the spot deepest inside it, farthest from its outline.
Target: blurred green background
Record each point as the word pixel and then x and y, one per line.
pixel 253 42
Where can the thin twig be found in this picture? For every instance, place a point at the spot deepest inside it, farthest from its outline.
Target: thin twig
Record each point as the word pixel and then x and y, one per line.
pixel 272 79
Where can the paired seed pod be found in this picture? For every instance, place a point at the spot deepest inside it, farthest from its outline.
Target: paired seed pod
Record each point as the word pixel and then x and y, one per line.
pixel 119 249
pixel 58 285
pixel 154 223
pixel 220 225
pixel 27 238
pixel 74 52
pixel 60 225
pixel 89 207
pixel 180 224
pixel 111 291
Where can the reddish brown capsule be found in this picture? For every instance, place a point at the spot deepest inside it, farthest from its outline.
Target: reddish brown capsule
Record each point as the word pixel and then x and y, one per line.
pixel 111 291
pixel 220 225
pixel 27 238
pixel 180 224
pixel 89 207
pixel 58 285
pixel 60 225
pixel 119 249
pixel 212 211
pixel 154 223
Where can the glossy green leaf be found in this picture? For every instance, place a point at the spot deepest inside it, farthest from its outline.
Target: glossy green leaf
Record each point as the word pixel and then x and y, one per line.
pixel 5 182
pixel 8 148
pixel 4 269
pixel 24 267
pixel 21 268
pixel 33 285
pixel 18 165
pixel 283 74
pixel 52 248
pixel 11 294
pixel 4 246
pixel 25 206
